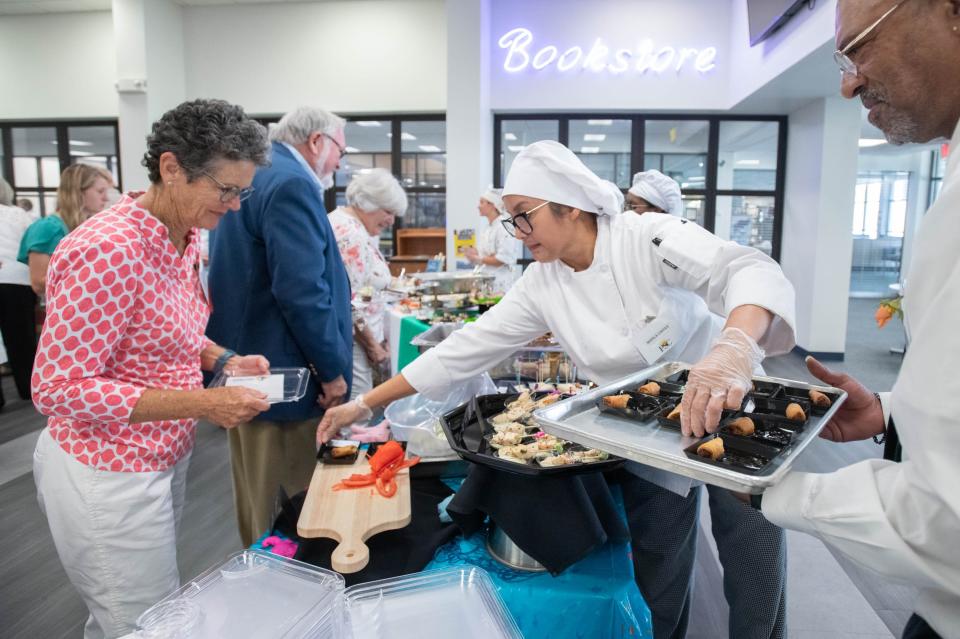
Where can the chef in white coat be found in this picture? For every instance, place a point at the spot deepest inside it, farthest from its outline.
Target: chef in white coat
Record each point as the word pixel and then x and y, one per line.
pixel 496 250
pixel 612 288
pixel 653 192
pixel 901 517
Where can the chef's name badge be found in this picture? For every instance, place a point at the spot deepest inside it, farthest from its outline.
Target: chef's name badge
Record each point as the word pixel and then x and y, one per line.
pixel 654 340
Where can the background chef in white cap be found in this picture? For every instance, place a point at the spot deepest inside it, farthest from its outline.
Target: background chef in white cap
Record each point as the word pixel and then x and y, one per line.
pixel 605 284
pixel 654 192
pixel 496 250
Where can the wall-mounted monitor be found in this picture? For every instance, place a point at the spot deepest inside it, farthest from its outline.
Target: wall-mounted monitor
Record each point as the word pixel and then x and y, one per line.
pixel 766 16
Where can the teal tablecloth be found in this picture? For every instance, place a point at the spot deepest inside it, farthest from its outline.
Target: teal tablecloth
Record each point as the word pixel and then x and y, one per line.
pixel 595 598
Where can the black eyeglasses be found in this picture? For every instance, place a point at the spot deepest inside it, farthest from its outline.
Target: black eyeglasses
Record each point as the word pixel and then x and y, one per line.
pixel 227 193
pixel 521 221
pixel 343 150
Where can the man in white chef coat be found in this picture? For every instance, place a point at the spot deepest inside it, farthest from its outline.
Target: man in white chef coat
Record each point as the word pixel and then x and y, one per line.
pixel 902 518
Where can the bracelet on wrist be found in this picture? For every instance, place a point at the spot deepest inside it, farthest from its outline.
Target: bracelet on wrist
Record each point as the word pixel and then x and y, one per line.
pixel 880 439
pixel 225 357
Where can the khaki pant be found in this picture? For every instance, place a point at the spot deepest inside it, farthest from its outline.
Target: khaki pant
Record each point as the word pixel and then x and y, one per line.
pixel 265 456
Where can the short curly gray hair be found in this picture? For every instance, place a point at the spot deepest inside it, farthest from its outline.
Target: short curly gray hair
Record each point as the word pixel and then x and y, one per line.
pixel 201 132
pixel 372 189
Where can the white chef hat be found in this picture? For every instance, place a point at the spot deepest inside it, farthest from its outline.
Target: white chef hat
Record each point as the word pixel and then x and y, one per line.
pixel 492 196
pixel 658 189
pixel 547 170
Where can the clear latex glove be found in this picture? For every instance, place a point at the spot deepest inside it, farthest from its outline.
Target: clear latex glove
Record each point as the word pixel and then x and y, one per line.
pixel 343 415
pixel 719 380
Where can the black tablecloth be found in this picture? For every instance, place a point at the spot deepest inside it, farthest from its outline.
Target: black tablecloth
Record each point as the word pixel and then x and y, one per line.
pixel 555 520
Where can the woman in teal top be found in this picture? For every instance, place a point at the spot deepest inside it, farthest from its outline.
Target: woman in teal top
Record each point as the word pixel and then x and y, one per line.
pixel 84 190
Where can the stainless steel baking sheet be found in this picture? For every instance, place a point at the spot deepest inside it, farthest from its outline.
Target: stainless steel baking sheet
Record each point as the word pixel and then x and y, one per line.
pixel 577 419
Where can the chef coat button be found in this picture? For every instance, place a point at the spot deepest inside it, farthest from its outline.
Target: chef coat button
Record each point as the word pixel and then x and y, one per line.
pixel 625 332
pixel 604 268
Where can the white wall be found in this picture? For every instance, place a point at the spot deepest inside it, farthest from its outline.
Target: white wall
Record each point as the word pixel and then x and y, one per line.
pixel 469 125
pixel 621 24
pixel 59 65
pixel 818 217
pixel 371 56
pixel 804 34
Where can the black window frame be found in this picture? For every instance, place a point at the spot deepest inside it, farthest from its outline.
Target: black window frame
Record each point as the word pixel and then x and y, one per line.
pixel 396 121
pixel 638 119
pixel 63 150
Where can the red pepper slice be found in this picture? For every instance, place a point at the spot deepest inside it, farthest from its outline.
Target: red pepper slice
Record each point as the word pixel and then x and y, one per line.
pixel 387 488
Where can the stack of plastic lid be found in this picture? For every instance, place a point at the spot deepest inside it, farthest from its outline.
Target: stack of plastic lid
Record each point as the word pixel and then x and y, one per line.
pixel 253 594
pixel 439 604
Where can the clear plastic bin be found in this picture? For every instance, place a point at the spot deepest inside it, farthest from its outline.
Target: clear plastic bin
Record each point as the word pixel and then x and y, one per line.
pixel 280 384
pixel 252 594
pixel 459 603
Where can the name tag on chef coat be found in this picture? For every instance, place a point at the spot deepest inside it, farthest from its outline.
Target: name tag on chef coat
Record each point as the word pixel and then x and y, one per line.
pixel 654 339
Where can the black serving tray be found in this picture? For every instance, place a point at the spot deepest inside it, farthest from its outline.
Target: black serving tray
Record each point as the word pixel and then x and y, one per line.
pixel 325 455
pixel 765 389
pixel 667 389
pixel 768 431
pixel 775 408
pixel 468 432
pixel 800 395
pixel 737 452
pixel 640 408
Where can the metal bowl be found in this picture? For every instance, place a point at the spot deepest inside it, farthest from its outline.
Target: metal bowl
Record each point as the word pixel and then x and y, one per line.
pixel 508 553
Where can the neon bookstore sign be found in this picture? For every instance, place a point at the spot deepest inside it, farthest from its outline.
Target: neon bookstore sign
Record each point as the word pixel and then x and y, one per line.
pixel 521 55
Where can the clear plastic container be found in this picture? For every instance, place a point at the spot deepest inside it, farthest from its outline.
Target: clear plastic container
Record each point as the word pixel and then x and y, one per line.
pixel 280 384
pixel 252 594
pixel 438 604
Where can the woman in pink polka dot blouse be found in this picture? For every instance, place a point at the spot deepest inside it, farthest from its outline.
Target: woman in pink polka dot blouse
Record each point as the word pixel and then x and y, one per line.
pixel 118 369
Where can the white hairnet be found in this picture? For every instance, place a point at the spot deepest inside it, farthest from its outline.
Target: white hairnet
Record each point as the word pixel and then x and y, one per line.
pixel 492 196
pixel 547 170
pixel 659 190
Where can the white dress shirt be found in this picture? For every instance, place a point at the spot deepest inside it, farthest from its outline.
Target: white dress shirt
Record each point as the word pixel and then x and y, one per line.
pixel 647 271
pixel 903 519
pixel 494 241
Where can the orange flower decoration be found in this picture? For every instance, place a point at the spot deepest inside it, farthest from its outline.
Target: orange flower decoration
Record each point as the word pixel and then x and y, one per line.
pixel 886 311
pixel 883 315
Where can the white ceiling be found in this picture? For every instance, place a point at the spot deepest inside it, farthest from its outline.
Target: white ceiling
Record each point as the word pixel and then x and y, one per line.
pixel 22 7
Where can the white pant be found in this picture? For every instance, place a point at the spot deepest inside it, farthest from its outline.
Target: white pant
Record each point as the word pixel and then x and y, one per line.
pixel 362 372
pixel 115 533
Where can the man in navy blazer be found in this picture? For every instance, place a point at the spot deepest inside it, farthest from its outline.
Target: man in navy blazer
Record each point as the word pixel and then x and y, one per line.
pixel 278 287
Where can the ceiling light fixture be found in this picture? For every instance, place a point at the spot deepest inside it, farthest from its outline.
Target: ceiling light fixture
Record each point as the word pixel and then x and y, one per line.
pixel 594 137
pixel 589 149
pixel 600 122
pixel 367 123
pixel 868 142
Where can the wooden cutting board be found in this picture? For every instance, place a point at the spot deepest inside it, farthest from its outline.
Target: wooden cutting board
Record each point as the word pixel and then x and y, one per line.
pixel 351 516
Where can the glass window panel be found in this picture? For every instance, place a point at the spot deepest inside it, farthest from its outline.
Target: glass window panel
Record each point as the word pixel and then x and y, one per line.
pixel 426 210
pixel 747 220
pixel 49 202
pixel 694 208
pixel 50 172
pixel 897 218
pixel 356 162
pixel 367 136
pixel 747 155
pixel 604 146
pixel 29 145
pixel 678 148
pixel 33 197
pixel 25 172
pixel 95 145
pixel 423 161
pixel 516 134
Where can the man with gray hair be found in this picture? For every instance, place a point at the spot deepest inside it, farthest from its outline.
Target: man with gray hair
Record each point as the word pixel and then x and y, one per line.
pixel 900 516
pixel 278 287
